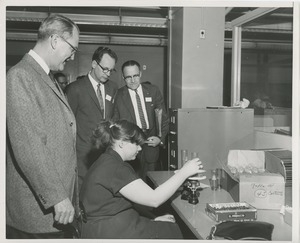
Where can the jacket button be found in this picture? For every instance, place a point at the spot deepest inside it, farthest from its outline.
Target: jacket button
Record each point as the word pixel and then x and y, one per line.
pixel 71 124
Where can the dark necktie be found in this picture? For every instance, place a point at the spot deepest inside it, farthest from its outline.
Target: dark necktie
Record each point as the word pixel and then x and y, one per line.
pixel 100 99
pixel 140 109
pixel 54 80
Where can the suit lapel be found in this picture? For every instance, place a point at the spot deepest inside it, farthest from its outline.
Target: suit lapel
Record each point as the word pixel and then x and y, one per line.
pixel 56 89
pixel 128 103
pixel 45 77
pixel 148 105
pixel 108 98
pixel 91 92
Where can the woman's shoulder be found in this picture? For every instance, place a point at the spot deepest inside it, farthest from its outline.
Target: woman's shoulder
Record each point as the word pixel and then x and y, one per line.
pixel 108 159
pixel 126 172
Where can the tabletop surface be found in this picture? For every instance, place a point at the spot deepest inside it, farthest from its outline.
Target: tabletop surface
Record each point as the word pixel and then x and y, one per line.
pixel 200 223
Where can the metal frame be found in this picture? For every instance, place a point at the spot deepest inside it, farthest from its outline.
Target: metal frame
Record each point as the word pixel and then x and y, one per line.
pixel 85 19
pixel 145 22
pixel 237 26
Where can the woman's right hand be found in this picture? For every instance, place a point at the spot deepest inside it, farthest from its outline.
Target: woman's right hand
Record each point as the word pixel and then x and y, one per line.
pixel 192 167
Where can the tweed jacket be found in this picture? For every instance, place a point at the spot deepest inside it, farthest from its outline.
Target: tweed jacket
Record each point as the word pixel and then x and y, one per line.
pixel 41 168
pixel 153 100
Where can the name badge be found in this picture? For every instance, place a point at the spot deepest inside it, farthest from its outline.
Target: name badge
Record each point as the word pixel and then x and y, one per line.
pixel 108 97
pixel 148 99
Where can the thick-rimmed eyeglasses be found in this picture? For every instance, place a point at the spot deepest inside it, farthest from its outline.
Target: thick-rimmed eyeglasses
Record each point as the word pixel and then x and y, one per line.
pixel 133 77
pixel 106 70
pixel 74 49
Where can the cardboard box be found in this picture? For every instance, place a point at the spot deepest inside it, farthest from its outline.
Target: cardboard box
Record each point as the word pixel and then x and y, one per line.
pixel 262 190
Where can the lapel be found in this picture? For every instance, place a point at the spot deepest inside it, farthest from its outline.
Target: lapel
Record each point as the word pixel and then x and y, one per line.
pixel 147 94
pixel 149 104
pixel 108 98
pixel 45 77
pixel 91 92
pixel 128 102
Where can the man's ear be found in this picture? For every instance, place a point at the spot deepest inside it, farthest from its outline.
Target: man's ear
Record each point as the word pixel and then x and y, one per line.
pixel 141 74
pixel 53 41
pixel 94 64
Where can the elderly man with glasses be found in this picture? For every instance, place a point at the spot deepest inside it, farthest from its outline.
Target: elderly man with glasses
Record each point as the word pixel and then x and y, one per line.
pixel 41 169
pixel 91 99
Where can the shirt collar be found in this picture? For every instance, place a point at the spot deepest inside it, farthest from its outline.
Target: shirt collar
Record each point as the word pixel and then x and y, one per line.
pixel 39 60
pixel 93 81
pixel 139 89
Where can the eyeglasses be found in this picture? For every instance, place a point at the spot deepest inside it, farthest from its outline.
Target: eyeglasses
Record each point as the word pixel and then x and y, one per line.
pixel 74 49
pixel 106 70
pixel 133 77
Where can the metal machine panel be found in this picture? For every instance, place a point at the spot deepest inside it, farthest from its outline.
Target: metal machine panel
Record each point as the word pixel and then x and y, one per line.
pixel 210 132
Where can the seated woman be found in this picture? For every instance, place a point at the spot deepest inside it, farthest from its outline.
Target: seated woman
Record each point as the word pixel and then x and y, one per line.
pixel 111 186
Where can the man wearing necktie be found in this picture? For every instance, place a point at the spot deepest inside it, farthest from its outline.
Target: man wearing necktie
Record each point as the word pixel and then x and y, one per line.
pixel 91 99
pixel 41 168
pixel 140 103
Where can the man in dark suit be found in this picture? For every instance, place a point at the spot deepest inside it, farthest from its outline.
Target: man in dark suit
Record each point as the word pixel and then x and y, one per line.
pixel 91 99
pixel 142 104
pixel 41 169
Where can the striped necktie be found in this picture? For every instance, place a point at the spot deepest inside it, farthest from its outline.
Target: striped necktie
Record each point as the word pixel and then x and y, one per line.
pixel 100 99
pixel 140 109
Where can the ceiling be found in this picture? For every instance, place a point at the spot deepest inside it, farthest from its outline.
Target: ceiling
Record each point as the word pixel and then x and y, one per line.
pixel 147 25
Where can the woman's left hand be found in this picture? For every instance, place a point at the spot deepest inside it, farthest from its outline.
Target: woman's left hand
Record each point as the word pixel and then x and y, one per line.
pixel 166 218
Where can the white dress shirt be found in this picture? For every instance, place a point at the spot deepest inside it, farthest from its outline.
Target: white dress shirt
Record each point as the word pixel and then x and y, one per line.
pixel 39 60
pixel 95 86
pixel 134 102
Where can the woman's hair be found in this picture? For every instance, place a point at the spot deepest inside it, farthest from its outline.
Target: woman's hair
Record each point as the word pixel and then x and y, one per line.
pixel 107 132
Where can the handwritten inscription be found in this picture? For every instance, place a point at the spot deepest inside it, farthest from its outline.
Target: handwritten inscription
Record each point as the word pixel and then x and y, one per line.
pixel 260 185
pixel 260 193
pixel 263 190
pixel 275 193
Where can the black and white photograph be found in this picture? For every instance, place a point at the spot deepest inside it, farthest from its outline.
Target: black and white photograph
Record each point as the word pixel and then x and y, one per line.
pixel 149 121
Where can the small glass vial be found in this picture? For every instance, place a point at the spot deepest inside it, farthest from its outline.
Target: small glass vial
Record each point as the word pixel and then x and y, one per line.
pixel 213 181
